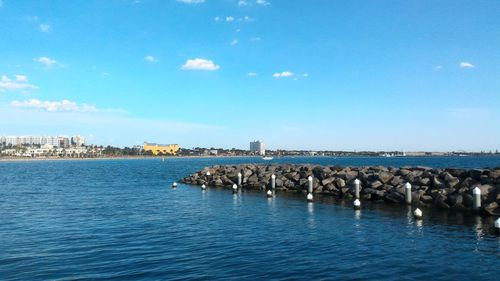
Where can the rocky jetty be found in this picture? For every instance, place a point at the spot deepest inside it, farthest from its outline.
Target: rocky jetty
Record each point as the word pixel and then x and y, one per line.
pixel 444 188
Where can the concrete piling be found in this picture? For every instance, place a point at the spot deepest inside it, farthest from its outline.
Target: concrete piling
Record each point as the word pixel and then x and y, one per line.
pixel 408 193
pixel 273 184
pixel 497 226
pixel 417 214
pixel 357 204
pixel 310 189
pixel 203 187
pixel 357 188
pixel 235 188
pixel 476 199
pixel 174 185
pixel 239 179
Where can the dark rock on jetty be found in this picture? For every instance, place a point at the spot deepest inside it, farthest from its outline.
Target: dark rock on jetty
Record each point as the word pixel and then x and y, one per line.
pixel 444 188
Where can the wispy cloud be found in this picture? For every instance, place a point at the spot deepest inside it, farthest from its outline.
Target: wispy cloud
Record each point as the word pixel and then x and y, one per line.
pixel 253 39
pixel 229 18
pixel 262 2
pixel 45 61
pixel 1 3
pixel 283 74
pixel 200 64
pixel 45 28
pixel 247 19
pixel 217 19
pixel 233 42
pixel 151 59
pixel 243 3
pixel 52 106
pixel 465 64
pixel 438 67
pixel 19 83
pixel 191 1
pixel 252 74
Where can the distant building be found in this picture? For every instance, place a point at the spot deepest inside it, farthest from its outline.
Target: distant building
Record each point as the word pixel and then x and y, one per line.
pixel 161 148
pixel 77 140
pixel 258 147
pixel 58 141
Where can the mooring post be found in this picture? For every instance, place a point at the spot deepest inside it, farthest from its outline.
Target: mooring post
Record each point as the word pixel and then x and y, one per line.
pixel 203 186
pixel 357 204
pixel 357 188
pixel 417 214
pixel 497 226
pixel 239 179
pixel 310 189
pixel 174 185
pixel 235 188
pixel 408 193
pixel 273 184
pixel 208 177
pixel 476 198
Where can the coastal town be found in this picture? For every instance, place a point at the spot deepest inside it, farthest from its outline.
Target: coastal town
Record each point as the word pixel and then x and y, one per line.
pixel 61 147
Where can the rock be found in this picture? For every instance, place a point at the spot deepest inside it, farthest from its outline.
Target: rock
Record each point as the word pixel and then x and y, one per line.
pixel 440 203
pixel 485 189
pixel 394 197
pixel 279 182
pixel 327 181
pixel 455 199
pixel 424 181
pixel 467 198
pixel 437 183
pixel 476 174
pixel 490 208
pixel 376 184
pixel 385 177
pixel 426 198
pixel 340 183
pixel 397 180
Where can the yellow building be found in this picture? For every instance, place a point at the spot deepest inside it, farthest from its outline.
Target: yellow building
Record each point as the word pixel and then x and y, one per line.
pixel 161 148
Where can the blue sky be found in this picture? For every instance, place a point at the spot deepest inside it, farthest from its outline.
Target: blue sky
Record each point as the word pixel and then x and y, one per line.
pixel 338 75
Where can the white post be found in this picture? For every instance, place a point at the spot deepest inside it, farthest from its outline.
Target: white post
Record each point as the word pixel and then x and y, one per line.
pixel 239 179
pixel 356 188
pixel 269 194
pixel 497 226
pixel 273 184
pixel 310 189
pixel 408 193
pixel 235 188
pixel 208 178
pixel 476 198
pixel 203 186
pixel 174 185
pixel 357 204
pixel 417 214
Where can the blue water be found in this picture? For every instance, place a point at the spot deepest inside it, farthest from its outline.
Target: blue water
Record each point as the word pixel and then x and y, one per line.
pixel 121 220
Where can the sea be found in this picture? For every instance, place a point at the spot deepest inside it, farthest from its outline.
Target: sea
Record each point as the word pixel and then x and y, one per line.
pixel 122 220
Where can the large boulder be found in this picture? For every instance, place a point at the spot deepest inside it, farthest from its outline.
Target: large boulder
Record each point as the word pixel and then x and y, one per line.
pixel 394 197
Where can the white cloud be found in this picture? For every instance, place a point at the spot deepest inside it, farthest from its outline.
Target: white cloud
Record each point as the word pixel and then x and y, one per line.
pixel 248 19
pixel 20 83
pixel 1 3
pixel 191 1
pixel 53 106
pixel 305 75
pixel 243 3
pixel 229 19
pixel 217 19
pixel 151 59
pixel 255 39
pixel 465 64
pixel 283 74
pixel 262 2
pixel 45 28
pixel 251 74
pixel 200 64
pixel 234 42
pixel 48 62
pixel 438 67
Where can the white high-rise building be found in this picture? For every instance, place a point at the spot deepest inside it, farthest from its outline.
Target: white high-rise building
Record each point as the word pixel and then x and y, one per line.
pixel 77 140
pixel 258 147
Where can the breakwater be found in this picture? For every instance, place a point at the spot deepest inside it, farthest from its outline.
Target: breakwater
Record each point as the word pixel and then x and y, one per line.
pixel 449 188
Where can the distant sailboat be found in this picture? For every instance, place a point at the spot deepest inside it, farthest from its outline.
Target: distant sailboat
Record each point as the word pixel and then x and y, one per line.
pixel 267 158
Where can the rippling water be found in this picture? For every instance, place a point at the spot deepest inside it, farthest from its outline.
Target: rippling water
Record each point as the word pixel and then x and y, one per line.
pixel 120 219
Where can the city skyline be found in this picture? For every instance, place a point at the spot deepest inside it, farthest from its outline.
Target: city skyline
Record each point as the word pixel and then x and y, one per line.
pixel 310 75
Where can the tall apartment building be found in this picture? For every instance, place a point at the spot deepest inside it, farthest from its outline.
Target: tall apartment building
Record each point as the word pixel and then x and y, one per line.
pixel 57 141
pixel 258 147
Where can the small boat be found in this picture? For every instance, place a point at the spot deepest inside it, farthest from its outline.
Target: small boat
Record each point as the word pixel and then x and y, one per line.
pixel 267 158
